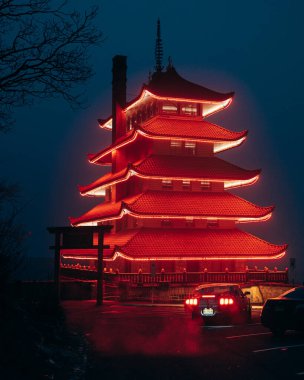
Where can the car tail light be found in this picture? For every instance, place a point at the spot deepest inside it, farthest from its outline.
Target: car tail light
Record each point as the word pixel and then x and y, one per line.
pixel 226 301
pixel 208 296
pixel 191 301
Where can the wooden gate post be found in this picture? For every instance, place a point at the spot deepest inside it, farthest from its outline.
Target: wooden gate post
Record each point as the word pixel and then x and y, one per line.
pixel 57 266
pixel 99 296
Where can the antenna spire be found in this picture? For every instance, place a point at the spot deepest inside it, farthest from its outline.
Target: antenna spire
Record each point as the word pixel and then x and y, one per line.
pixel 158 50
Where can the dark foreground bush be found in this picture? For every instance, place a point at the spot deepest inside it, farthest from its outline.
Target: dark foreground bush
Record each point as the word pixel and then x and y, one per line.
pixel 34 340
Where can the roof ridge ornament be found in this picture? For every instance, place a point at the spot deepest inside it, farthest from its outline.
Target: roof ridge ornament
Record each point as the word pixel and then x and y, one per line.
pixel 158 50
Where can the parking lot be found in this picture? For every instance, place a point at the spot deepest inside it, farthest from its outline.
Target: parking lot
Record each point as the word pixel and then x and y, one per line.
pixel 145 341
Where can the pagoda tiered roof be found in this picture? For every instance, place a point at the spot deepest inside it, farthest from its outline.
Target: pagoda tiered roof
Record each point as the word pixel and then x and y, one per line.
pixel 176 128
pixel 185 127
pixel 190 168
pixel 178 205
pixel 162 138
pixel 184 244
pixel 169 85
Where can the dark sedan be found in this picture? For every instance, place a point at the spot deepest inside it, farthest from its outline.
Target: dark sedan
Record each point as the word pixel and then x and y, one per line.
pixel 220 302
pixel 285 312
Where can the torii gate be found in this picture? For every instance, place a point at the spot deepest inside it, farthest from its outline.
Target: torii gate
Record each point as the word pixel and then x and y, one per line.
pixel 79 238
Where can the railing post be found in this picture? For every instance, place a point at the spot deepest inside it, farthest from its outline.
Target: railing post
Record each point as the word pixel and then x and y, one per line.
pixel 140 276
pixel 205 274
pixel 184 275
pixel 162 274
pixel 226 274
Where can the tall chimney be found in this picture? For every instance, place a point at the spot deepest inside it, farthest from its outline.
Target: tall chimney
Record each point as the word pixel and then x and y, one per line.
pixel 119 92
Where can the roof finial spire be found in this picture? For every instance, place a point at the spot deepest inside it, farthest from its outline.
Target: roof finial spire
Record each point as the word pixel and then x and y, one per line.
pixel 158 50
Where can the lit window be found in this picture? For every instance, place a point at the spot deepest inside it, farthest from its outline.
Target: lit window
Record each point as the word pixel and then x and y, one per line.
pixel 166 223
pixel 189 109
pixel 175 144
pixel 189 221
pixel 186 184
pixel 190 147
pixel 205 185
pixel 212 223
pixel 169 108
pixel 167 183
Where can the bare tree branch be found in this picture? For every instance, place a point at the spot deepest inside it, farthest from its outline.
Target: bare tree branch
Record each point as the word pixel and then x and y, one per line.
pixel 43 53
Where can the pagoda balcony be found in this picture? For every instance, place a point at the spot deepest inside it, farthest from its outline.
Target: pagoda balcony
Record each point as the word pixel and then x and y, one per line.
pixel 177 278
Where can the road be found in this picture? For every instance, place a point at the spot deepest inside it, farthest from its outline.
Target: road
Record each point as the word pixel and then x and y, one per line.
pixel 162 342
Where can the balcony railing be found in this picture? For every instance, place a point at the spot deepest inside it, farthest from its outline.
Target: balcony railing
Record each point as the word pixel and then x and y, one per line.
pixel 89 273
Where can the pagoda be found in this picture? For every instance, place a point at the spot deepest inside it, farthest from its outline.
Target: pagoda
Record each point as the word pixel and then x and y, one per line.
pixel 167 195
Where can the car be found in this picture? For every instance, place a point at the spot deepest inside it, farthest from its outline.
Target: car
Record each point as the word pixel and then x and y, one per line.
pixel 285 312
pixel 220 302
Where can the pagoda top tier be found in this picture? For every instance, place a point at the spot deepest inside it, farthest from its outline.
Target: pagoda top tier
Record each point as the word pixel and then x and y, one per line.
pixel 167 91
pixel 169 84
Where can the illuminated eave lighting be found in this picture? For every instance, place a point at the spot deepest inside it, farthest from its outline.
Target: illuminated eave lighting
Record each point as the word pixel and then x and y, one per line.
pixel 219 146
pixel 107 124
pixel 118 146
pixel 228 183
pixel 118 254
pixel 126 211
pixel 76 257
pixel 123 179
pixel 198 217
pixel 98 192
pixel 145 93
pixel 92 223
pixel 234 183
pixel 217 107
pixel 240 183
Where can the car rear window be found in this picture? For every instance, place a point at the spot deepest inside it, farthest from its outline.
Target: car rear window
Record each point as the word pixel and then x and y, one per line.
pixel 219 290
pixel 296 293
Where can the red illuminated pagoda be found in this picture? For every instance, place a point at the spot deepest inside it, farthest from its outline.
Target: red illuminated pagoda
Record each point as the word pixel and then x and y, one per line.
pixel 167 194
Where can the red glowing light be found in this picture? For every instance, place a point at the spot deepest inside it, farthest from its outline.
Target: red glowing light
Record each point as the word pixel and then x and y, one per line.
pixel 219 146
pixel 173 148
pixel 171 258
pixel 217 105
pixel 208 296
pixel 195 258
pixel 228 184
pixel 191 302
pixel 226 301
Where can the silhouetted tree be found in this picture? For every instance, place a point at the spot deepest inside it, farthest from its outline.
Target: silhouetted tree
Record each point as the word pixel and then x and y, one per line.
pixel 43 53
pixel 12 234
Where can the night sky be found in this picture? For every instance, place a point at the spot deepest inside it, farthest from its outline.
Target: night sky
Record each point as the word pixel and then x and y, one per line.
pixel 252 48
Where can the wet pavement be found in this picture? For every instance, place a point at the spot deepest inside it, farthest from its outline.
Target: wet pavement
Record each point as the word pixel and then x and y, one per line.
pixel 133 341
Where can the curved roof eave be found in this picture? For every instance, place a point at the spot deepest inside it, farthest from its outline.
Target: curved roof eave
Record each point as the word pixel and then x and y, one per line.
pixel 145 90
